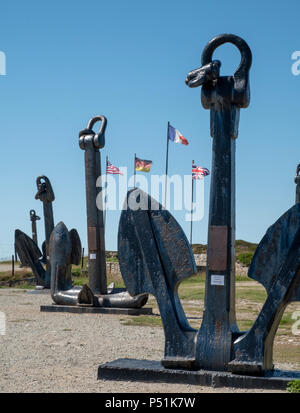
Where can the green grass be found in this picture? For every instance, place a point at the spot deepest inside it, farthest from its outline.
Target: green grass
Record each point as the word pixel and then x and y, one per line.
pixel 255 293
pixel 241 247
pixel 79 279
pixel 193 288
pixel 243 278
pixel 112 259
pixel 199 248
pixel 24 286
pixel 293 386
pixel 142 320
pixel 245 258
pixel 7 276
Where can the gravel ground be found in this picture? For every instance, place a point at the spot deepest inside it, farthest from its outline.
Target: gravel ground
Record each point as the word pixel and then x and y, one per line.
pixel 61 352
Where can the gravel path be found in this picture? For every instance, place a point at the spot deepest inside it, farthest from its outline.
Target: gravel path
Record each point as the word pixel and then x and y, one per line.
pixel 60 352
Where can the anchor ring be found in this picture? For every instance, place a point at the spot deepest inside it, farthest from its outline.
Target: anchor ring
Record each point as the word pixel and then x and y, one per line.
pixel 97 138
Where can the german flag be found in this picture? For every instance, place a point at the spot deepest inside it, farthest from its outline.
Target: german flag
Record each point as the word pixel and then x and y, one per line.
pixel 142 165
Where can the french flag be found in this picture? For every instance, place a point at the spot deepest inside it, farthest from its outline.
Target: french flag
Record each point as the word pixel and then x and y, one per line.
pixel 175 136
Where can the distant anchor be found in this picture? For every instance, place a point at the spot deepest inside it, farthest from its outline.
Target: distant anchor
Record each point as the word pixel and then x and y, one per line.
pixel 33 219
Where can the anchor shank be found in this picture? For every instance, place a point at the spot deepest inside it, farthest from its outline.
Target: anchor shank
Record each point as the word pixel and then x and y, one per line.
pixel 221 234
pixel 34 233
pixel 214 342
pixel 49 221
pixel 49 226
pixel 95 223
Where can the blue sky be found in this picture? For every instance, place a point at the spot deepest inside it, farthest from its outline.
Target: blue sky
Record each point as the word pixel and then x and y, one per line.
pixel 68 61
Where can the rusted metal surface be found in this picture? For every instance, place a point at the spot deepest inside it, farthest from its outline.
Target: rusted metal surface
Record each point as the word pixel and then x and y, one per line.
pixel 217 250
pixel 92 238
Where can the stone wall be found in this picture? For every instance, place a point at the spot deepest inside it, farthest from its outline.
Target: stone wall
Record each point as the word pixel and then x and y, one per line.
pixel 113 269
pixel 113 272
pixel 201 265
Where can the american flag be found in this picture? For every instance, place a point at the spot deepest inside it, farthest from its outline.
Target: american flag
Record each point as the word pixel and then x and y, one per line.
pixel 198 172
pixel 110 169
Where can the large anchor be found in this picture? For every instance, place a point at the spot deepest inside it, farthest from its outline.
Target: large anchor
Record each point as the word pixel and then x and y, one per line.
pixel 277 259
pixel 64 245
pixel 224 96
pixel 46 195
pixel 91 143
pixel 30 254
pixel 155 256
pixel 27 248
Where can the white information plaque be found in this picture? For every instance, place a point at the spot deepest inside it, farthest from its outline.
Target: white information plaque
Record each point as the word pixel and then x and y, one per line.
pixel 216 279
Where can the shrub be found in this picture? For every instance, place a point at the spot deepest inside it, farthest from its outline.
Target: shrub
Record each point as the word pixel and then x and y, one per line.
pixel 293 386
pixel 245 258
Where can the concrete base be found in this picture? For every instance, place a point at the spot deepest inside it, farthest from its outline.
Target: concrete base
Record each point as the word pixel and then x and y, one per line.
pixel 153 371
pixel 95 310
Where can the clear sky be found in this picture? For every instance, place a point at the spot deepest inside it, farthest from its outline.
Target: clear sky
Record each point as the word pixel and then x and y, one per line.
pixel 70 60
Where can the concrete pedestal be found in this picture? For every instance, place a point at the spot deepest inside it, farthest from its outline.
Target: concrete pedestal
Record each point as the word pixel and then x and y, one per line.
pixel 95 310
pixel 153 371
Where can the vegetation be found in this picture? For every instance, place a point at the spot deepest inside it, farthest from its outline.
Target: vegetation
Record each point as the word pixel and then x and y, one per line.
pixel 244 251
pixel 245 258
pixel 142 320
pixel 242 246
pixel 293 386
pixel 199 248
pixel 250 297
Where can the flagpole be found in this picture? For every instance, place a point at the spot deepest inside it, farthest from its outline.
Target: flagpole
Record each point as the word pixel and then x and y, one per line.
pixel 167 164
pixel 104 218
pixel 192 202
pixel 134 170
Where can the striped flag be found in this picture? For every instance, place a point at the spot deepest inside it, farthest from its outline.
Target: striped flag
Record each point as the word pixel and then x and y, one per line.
pixel 175 136
pixel 142 165
pixel 198 172
pixel 111 169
